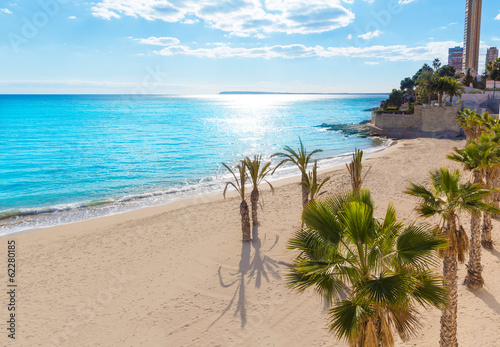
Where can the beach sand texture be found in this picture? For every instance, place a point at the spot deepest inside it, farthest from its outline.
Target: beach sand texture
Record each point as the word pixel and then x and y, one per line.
pixel 178 275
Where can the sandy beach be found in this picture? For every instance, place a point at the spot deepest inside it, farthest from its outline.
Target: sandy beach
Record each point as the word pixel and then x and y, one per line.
pixel 179 275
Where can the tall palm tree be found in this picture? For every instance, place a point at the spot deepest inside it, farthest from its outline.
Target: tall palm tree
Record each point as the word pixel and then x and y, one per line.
pixel 436 64
pixel 446 198
pixel 239 184
pixel 493 68
pixel 257 172
pixel 454 88
pixel 476 158
pixel 426 85
pixel 490 140
pixel 301 159
pixel 373 273
pixel 355 168
pixel 312 183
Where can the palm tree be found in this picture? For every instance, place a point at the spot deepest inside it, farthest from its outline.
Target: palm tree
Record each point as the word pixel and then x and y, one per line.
pixel 373 273
pixel 490 140
pixel 257 172
pixel 454 88
pixel 239 185
pixel 477 158
pixel 301 159
pixel 426 85
pixel 441 85
pixel 493 68
pixel 436 64
pixel 355 167
pixel 473 123
pixel 446 198
pixel 312 183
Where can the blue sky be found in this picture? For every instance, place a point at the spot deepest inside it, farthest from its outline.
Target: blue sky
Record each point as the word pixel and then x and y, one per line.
pixel 207 46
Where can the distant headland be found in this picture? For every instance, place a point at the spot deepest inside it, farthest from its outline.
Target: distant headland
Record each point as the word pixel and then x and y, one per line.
pixel 284 93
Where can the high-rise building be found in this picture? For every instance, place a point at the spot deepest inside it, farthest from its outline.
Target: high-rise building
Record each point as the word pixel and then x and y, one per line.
pixel 472 35
pixel 491 54
pixel 455 57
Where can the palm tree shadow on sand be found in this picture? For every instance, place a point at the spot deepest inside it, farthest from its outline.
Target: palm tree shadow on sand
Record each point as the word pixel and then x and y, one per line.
pixel 257 267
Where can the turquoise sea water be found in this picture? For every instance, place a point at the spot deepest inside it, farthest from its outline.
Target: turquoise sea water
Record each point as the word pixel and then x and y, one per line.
pixel 65 158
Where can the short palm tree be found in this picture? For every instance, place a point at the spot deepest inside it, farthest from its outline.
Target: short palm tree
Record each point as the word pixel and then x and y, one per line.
pixel 474 124
pixel 355 168
pixel 372 272
pixel 312 183
pixel 446 198
pixel 257 172
pixel 239 185
pixel 476 158
pixel 301 159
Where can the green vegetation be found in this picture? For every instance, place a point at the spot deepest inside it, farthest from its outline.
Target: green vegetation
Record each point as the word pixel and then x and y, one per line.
pixel 372 273
pixel 301 159
pixel 257 172
pixel 446 198
pixel 239 184
pixel 428 83
pixel 493 70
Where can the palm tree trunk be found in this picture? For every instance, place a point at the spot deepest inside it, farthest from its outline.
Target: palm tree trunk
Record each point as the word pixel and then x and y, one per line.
pixel 305 192
pixel 474 278
pixel 449 316
pixel 254 198
pixel 245 221
pixel 486 240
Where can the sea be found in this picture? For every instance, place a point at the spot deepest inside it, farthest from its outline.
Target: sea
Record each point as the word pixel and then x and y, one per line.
pixel 68 158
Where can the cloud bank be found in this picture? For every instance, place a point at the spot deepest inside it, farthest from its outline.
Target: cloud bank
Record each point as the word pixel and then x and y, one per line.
pixel 388 53
pixel 237 17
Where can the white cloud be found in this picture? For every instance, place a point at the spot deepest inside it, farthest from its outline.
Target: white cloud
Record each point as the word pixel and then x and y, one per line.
pixel 372 62
pixel 497 17
pixel 349 37
pixel 237 17
pixel 71 17
pixel 5 10
pixel 389 53
pixel 494 38
pixel 371 34
pixel 404 2
pixel 158 41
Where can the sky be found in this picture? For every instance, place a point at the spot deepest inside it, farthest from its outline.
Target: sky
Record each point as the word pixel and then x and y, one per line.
pixel 208 46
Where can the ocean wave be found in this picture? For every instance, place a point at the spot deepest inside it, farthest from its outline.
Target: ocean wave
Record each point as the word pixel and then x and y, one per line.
pixel 23 220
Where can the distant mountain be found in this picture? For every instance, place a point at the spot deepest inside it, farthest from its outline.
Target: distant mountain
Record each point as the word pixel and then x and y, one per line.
pixel 281 93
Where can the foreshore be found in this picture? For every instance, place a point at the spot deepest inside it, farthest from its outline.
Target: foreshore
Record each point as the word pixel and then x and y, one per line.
pixel 179 275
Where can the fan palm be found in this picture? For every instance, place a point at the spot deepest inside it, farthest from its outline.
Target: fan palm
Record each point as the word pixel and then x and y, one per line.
pixel 454 88
pixel 355 168
pixel 312 183
pixel 474 124
pixel 239 184
pixel 490 140
pixel 477 158
pixel 257 172
pixel 301 159
pixel 446 198
pixel 373 273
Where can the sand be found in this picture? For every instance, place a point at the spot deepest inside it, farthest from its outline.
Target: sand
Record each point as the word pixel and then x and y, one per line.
pixel 178 275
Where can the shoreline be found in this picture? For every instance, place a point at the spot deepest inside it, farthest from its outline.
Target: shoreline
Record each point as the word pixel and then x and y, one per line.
pixel 178 274
pixel 139 204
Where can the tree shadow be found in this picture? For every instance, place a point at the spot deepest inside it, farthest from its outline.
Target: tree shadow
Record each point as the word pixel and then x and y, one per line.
pixel 494 252
pixel 488 299
pixel 258 267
